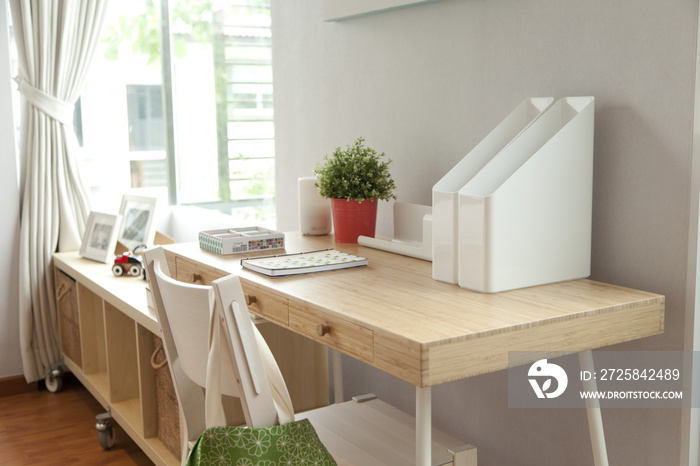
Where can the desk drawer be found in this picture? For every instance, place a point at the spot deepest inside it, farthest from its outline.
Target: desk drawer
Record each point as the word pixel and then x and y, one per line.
pixel 191 272
pixel 259 301
pixel 266 304
pixel 344 336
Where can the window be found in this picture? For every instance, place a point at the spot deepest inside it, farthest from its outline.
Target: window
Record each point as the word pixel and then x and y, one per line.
pixel 144 107
pixel 192 124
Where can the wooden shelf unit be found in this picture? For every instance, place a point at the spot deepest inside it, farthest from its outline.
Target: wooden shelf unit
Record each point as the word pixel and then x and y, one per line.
pixel 107 337
pixel 114 348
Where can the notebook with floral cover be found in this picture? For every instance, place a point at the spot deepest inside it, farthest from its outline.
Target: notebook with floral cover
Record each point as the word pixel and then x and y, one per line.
pixel 293 264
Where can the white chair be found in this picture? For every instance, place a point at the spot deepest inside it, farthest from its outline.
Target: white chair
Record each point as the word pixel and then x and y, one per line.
pixel 364 431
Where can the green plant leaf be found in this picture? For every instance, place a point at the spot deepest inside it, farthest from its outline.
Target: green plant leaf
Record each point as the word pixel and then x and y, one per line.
pixel 356 173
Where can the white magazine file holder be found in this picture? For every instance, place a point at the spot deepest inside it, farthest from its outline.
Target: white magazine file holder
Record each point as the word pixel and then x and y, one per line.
pixel 525 218
pixel 446 191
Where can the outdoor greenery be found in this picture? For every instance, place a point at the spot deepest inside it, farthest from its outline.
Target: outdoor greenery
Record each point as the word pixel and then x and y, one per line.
pixel 356 173
pixel 191 20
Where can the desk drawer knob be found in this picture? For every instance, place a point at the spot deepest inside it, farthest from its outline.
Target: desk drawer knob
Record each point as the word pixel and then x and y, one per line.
pixel 322 329
pixel 196 277
pixel 250 299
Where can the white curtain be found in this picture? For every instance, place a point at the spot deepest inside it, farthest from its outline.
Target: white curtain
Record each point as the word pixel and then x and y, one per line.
pixel 56 40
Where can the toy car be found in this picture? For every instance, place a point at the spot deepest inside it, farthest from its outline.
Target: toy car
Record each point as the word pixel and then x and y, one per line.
pixel 129 263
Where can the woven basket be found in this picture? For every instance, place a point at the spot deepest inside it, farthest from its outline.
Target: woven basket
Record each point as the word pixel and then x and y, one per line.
pixel 66 299
pixel 168 410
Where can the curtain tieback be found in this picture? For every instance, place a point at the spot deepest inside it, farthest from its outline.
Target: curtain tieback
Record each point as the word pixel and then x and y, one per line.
pixel 53 107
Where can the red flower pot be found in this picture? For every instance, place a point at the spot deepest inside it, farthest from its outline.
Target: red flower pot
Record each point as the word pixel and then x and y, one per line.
pixel 353 218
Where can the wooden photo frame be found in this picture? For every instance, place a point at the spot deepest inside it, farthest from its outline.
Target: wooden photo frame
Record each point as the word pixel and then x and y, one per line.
pixel 100 237
pixel 138 225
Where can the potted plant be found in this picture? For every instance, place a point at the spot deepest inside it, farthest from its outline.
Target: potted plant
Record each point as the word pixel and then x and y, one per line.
pixel 355 179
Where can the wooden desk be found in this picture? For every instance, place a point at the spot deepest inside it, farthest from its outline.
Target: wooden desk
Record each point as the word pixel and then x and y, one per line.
pixel 392 315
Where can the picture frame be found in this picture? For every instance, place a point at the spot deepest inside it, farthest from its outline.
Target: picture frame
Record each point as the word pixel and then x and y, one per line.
pixel 137 224
pixel 100 237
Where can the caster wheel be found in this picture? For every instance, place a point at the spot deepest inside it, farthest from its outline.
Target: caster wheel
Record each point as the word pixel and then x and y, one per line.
pixel 106 435
pixel 54 382
pixel 135 270
pixel 117 270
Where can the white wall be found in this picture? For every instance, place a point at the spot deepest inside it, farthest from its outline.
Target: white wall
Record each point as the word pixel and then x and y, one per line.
pixel 10 360
pixel 424 84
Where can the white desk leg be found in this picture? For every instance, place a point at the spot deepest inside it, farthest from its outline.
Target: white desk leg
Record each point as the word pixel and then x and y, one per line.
pixel 424 425
pixel 595 420
pixel 338 396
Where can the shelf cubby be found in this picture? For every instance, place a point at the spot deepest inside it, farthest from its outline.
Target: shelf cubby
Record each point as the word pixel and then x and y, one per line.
pixel 90 308
pixel 120 336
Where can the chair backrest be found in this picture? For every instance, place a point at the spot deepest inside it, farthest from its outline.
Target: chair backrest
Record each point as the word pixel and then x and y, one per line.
pixel 188 309
pixel 243 351
pixel 218 346
pixel 189 394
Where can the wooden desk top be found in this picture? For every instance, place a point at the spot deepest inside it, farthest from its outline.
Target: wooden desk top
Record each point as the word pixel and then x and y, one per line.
pixel 394 316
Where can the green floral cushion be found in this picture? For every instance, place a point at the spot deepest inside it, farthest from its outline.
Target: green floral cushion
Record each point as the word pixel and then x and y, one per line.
pixel 294 443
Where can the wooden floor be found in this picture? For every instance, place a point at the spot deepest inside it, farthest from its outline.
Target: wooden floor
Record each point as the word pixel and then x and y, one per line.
pixel 43 428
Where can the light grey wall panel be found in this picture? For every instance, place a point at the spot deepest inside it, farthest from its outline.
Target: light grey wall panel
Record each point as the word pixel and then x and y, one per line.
pixel 426 83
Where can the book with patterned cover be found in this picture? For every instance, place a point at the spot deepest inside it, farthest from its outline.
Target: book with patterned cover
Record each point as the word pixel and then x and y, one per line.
pixel 293 264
